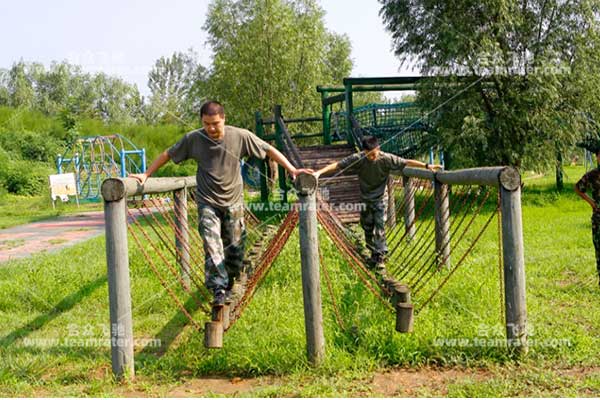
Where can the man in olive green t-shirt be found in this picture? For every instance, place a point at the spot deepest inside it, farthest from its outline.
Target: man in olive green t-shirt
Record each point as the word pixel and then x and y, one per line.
pixel 218 148
pixel 373 167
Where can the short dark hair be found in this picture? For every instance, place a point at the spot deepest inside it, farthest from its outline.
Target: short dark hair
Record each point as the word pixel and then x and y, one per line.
pixel 370 143
pixel 212 108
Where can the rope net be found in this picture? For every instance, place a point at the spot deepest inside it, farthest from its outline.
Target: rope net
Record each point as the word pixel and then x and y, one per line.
pixel 163 230
pixel 433 233
pixel 401 128
pixel 430 235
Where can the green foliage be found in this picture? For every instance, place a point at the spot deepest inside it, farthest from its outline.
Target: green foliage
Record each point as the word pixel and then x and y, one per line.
pixel 65 87
pixel 25 177
pixel 30 146
pixel 176 85
pixel 272 52
pixel 30 142
pixel 532 70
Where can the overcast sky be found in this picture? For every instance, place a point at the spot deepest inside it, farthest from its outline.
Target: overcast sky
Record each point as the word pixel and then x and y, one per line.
pixel 126 37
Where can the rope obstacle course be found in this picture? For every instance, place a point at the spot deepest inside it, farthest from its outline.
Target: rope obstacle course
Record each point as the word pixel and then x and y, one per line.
pixel 416 272
pixel 433 227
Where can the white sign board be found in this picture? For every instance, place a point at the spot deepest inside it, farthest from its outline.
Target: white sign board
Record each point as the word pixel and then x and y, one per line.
pixel 63 186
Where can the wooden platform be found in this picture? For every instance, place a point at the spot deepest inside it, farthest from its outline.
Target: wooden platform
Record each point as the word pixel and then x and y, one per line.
pixel 341 191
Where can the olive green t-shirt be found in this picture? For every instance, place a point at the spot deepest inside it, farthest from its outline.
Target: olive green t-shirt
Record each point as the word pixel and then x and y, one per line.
pixel 219 174
pixel 372 175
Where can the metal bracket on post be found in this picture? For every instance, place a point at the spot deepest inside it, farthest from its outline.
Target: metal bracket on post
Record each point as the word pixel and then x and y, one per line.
pixel 306 185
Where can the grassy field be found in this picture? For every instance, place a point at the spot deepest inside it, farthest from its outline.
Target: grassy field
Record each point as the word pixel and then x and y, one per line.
pixel 54 310
pixel 17 210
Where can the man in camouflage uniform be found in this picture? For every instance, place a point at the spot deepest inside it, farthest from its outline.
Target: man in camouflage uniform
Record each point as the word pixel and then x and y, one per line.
pixel 224 240
pixel 591 181
pixel 373 167
pixel 218 148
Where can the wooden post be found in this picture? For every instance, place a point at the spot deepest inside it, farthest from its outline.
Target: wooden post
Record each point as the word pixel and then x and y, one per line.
pixel 221 313
pixel 213 335
pixel 119 295
pixel 400 293
pixel 404 317
pixel 514 262
pixel 391 206
pixel 442 224
pixel 182 240
pixel 409 207
pixel 306 186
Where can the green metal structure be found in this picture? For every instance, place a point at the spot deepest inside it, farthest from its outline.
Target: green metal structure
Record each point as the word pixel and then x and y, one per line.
pixel 402 128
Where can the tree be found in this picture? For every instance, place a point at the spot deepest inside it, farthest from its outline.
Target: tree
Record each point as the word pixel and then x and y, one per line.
pixel 269 52
pixel 20 86
pixel 176 84
pixel 116 100
pixel 4 93
pixel 513 86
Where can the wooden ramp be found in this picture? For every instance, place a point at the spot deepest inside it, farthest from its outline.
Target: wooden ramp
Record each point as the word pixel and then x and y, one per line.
pixel 341 191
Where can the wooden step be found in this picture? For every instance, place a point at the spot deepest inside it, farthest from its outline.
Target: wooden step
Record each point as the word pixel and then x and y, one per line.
pixel 342 189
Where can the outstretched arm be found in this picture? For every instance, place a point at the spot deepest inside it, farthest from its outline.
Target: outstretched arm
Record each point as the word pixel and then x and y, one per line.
pixel 156 164
pixel 419 164
pixel 284 162
pixel 327 169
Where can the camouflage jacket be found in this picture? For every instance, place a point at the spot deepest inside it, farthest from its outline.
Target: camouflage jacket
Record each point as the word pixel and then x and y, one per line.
pixel 591 180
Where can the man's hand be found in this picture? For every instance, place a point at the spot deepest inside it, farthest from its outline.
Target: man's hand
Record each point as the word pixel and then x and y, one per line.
pixel 434 167
pixel 295 172
pixel 140 177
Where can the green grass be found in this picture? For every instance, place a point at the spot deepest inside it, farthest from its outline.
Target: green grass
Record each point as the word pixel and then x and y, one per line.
pixel 18 210
pixel 64 296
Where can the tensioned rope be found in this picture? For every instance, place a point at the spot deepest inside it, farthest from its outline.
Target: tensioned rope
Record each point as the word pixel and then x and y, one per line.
pixel 164 240
pixel 421 248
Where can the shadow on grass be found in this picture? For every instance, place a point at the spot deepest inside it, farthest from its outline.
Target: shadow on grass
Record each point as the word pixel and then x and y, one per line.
pixel 169 333
pixel 64 305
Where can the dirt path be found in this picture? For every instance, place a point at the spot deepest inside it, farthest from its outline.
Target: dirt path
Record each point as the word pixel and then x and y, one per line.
pixel 394 382
pixel 49 235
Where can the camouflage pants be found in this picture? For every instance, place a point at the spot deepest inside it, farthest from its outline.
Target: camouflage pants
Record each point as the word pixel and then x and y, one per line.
pixel 224 237
pixel 596 238
pixel 372 220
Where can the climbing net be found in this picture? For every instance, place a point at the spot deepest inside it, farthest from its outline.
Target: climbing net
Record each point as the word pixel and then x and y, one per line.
pixel 401 127
pixel 164 231
pixel 431 233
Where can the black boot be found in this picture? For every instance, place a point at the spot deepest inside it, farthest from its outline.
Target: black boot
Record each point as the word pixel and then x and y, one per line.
pixel 219 297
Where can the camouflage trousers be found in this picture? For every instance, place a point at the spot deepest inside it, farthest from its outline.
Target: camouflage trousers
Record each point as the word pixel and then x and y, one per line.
pixel 372 220
pixel 224 238
pixel 596 238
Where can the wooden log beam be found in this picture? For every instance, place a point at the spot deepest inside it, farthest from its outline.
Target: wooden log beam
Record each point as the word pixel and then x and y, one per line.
pixel 506 177
pixel 114 189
